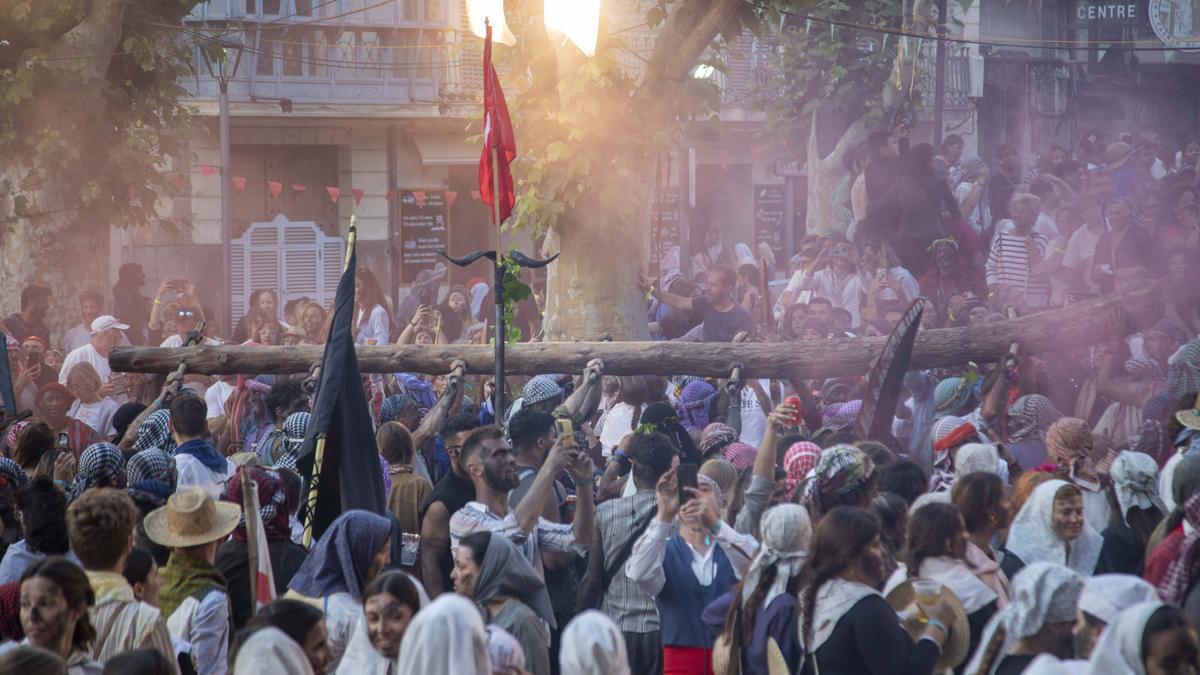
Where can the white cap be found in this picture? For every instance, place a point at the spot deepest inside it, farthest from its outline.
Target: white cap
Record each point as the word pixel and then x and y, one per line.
pixel 106 321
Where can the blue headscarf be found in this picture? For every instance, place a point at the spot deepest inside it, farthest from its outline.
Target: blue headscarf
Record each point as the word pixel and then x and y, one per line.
pixel 341 558
pixel 418 389
pixel 392 407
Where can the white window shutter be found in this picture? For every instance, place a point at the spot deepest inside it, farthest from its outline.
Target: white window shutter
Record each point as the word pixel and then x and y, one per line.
pixel 300 264
pixel 294 259
pixel 333 251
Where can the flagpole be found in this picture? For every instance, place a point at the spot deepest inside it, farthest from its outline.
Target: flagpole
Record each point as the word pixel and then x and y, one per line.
pixel 250 503
pixel 314 483
pixel 501 331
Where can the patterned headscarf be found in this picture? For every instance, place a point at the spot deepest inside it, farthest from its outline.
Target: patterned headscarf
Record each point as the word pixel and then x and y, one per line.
pixel 1067 440
pixel 155 432
pixel 840 470
pixel 418 389
pixel 786 533
pixel 841 416
pixel 392 407
pixel 1185 568
pixel 948 432
pixel 798 461
pixel 951 394
pixel 541 388
pixel 14 433
pixel 100 465
pixel 1135 480
pixel 1143 369
pixel 1183 370
pixel 694 404
pixel 13 473
pixel 273 506
pixel 1029 417
pixel 151 464
pixel 740 455
pixel 10 612
pixel 341 558
pixel 715 437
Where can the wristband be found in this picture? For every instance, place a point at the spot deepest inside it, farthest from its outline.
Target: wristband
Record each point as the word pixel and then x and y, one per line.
pixel 157 403
pixel 157 301
pixel 934 623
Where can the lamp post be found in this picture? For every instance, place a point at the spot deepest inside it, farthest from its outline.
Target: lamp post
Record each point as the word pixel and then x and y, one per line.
pixel 222 57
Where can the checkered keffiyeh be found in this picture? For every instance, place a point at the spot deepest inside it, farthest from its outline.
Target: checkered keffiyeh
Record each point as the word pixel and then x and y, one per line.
pixel 841 415
pixel 155 432
pixel 13 473
pixel 272 503
pixel 740 455
pixel 151 464
pixel 951 394
pixel 541 388
pixel 392 407
pixel 1186 566
pixel 294 429
pixel 716 436
pixel 1030 417
pixel 99 465
pixel 799 459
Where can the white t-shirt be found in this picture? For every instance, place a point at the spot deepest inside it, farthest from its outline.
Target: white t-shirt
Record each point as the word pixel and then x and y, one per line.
pixel 176 341
pixel 960 194
pixel 192 472
pixel 754 420
pixel 97 415
pixel 376 326
pixel 85 354
pixel 1046 225
pixel 1081 250
pixel 216 396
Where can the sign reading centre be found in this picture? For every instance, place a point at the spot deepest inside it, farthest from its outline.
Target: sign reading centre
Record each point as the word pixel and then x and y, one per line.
pixel 1106 11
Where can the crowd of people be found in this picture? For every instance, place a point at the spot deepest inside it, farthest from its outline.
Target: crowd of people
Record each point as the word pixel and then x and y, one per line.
pixel 650 524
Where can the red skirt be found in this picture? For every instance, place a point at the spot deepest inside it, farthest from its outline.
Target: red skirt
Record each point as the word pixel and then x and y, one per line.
pixel 687 661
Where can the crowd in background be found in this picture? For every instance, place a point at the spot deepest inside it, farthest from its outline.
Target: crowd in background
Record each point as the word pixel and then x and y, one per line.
pixel 1037 514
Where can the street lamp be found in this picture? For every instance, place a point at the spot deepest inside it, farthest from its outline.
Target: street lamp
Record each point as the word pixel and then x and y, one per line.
pixel 222 57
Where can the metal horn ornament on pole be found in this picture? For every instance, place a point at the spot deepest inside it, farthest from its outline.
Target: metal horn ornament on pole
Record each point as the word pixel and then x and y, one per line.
pixel 497 259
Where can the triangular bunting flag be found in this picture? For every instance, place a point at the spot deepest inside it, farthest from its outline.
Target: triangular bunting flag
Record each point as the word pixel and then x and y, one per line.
pixel 239 182
pixel 419 195
pixel 276 188
pixel 358 195
pixel 334 193
pixel 208 169
pixel 450 197
pixel 391 194
pixel 296 187
pixel 178 180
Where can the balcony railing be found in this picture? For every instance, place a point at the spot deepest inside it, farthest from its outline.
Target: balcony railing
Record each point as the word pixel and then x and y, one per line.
pixel 396 13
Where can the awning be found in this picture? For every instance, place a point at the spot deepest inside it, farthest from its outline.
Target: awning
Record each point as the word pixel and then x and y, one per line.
pixel 444 149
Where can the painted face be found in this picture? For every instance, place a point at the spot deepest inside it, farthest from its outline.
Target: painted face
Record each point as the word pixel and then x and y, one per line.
pixel 317 649
pixel 387 619
pixel 1067 519
pixel 1171 652
pixel 465 572
pixel 55 404
pixel 499 465
pixel 45 614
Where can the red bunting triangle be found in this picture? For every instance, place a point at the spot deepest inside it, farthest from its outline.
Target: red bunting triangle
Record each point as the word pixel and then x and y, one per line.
pixel 296 187
pixel 178 180
pixel 334 193
pixel 276 188
pixel 208 169
pixel 239 182
pixel 358 195
pixel 475 195
pixel 450 197
pixel 419 195
pixel 391 194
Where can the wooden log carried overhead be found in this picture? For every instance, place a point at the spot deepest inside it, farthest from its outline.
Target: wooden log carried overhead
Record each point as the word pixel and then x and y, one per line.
pixel 1074 326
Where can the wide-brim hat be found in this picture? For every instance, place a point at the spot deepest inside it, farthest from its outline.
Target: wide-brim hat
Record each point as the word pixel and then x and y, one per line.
pixel 1190 418
pixel 903 600
pixel 191 518
pixel 1116 154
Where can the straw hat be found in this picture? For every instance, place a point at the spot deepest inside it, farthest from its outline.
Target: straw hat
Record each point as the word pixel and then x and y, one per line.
pixel 903 600
pixel 191 518
pixel 1116 154
pixel 1190 418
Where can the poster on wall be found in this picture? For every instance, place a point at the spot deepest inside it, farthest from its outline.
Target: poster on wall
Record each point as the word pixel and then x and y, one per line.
pixel 768 218
pixel 424 224
pixel 664 223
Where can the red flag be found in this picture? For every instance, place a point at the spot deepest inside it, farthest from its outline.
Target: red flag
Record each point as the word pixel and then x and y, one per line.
pixel 276 188
pixel 358 195
pixel 498 136
pixel 451 195
pixel 334 193
pixel 207 169
pixel 296 187
pixel 239 182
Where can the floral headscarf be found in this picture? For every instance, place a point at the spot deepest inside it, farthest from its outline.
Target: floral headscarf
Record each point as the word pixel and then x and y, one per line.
pixel 840 470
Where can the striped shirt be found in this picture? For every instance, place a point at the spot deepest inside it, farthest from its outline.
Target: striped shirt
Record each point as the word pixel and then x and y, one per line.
pixel 1008 264
pixel 546 536
pixel 632 608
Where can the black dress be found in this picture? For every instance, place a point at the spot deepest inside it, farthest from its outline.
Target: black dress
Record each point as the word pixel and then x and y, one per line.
pixel 1014 665
pixel 869 639
pixel 234 564
pixel 1121 553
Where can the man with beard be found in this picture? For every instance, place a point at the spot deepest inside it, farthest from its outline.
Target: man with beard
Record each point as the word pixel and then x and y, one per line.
pixel 31 320
pixel 950 282
pixel 722 316
pixel 492 468
pixel 452 492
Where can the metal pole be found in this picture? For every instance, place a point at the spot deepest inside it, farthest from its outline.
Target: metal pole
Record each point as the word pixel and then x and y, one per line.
pixel 501 331
pixel 789 222
pixel 226 206
pixel 939 81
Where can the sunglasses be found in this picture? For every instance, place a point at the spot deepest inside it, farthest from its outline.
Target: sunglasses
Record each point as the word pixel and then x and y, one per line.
pixel 186 313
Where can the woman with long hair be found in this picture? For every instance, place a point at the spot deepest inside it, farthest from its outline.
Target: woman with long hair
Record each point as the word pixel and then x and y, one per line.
pixel 263 306
pixel 55 597
pixel 762 607
pixel 982 499
pixel 936 549
pixel 91 407
pixel 372 318
pixel 841 606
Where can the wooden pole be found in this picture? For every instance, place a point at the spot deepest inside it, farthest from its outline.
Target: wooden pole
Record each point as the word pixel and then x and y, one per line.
pixel 1078 325
pixel 250 505
pixel 314 485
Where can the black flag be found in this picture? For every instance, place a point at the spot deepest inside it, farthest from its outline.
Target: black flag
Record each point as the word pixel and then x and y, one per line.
pixel 886 380
pixel 349 476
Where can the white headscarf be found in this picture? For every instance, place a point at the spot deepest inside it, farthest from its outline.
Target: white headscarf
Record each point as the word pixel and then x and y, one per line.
pixel 361 657
pixel 953 574
pixel 445 637
pixel 976 458
pixel 593 645
pixel 1032 538
pixel 1135 477
pixel 786 536
pixel 504 651
pixel 1047 664
pixel 1107 595
pixel 1119 649
pixel 270 650
pixel 1042 593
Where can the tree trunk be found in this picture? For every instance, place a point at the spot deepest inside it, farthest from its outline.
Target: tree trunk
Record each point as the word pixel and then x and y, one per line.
pixel 1078 325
